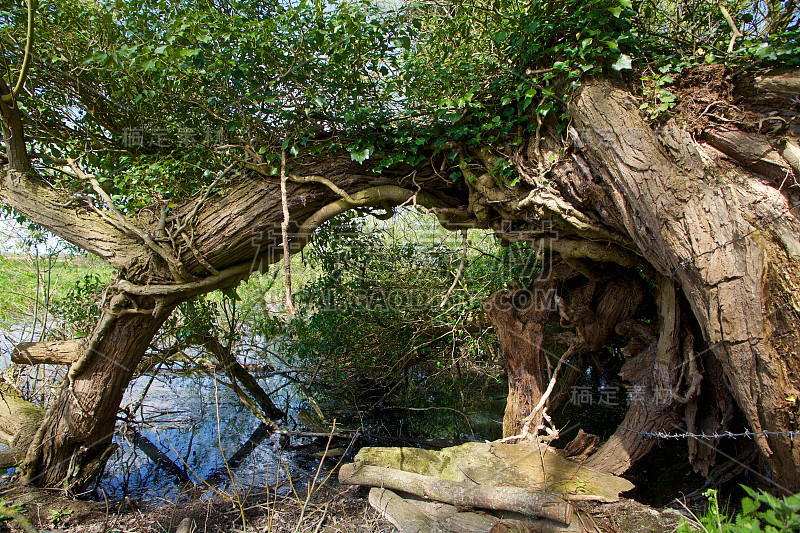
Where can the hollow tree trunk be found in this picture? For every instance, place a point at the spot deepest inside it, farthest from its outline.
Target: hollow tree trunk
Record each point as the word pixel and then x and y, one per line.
pixel 652 374
pixel 727 234
pixel 591 300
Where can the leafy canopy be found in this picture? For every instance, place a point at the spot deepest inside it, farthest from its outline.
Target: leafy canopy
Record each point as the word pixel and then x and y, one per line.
pixel 148 94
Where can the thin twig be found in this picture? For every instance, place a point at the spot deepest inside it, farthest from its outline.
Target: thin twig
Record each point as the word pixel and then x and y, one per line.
pixel 177 269
pixel 460 268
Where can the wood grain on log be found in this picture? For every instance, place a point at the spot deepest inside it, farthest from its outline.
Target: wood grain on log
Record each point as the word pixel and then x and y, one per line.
pixel 403 515
pixel 505 498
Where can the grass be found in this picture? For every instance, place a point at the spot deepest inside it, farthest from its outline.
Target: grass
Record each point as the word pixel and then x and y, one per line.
pixel 29 284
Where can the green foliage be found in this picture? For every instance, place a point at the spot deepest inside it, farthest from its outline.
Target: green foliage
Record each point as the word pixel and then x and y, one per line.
pixel 57 277
pixel 373 317
pixel 81 306
pixel 5 507
pixel 58 516
pixel 384 84
pixel 764 512
pixel 761 512
pixel 657 99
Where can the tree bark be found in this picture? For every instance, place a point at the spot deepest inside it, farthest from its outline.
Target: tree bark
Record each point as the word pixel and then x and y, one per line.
pixel 728 240
pixel 79 426
pixel 519 316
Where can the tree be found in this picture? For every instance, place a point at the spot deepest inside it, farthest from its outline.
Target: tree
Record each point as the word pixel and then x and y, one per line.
pixel 665 167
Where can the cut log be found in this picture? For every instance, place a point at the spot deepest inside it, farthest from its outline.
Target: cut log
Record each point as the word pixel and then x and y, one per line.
pixel 47 353
pixel 187 525
pixel 515 499
pixel 451 518
pixel 785 83
pixel 403 515
pixel 525 464
pixel 12 457
pixel 409 513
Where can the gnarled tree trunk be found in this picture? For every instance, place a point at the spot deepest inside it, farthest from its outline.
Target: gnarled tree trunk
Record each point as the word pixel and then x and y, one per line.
pixel 708 212
pixel 717 224
pixel 79 427
pixel 728 237
pixel 520 316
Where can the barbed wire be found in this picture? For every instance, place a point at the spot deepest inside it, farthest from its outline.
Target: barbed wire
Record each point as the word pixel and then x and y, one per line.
pixel 746 433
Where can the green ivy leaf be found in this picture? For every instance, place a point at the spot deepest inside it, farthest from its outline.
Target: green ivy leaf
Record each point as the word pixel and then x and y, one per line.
pixel 361 155
pixel 500 36
pixel 624 62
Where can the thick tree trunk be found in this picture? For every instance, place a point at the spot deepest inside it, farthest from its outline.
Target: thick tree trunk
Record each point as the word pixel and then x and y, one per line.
pixel 727 237
pixel 79 426
pixel 519 316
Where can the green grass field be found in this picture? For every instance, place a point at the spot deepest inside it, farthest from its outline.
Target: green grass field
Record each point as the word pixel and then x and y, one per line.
pixel 20 291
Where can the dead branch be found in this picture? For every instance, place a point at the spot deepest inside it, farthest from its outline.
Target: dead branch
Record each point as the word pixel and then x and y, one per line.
pixel 287 263
pixel 460 270
pixel 47 353
pixel 503 498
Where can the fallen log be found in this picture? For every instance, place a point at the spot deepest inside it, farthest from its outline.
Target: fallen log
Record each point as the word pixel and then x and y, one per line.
pixel 47 352
pixel 402 514
pixel 156 455
pixel 526 464
pixel 187 525
pixel 462 494
pixel 411 513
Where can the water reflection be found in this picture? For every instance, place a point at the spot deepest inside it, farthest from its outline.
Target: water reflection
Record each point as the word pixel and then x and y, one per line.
pixel 198 426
